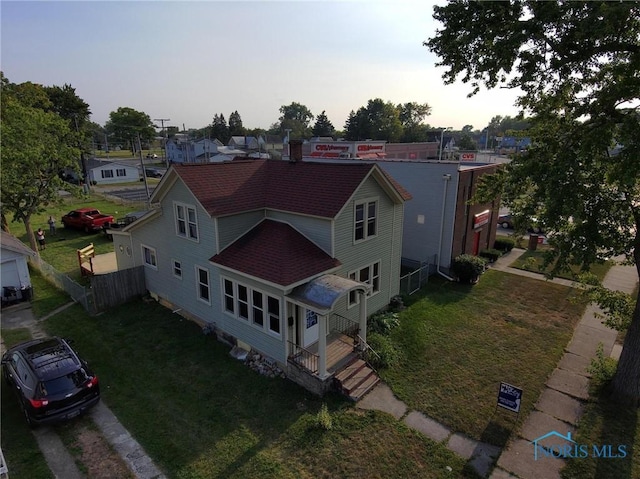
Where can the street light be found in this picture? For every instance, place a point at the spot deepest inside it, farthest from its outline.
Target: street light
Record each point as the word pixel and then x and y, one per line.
pixel 441 139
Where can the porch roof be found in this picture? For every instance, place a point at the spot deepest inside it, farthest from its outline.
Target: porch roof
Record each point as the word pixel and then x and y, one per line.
pixel 321 294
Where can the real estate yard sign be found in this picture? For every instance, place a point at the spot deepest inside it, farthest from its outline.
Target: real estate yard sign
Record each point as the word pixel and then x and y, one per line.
pixel 509 397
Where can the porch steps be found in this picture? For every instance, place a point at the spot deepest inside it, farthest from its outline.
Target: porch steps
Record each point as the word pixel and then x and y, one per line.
pixel 357 379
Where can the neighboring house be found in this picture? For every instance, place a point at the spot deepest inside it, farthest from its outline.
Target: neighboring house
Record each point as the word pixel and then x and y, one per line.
pixel 14 271
pixel 278 256
pixel 108 172
pixel 247 143
pixel 439 222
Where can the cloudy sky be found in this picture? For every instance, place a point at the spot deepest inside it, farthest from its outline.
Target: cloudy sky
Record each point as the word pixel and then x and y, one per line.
pixel 187 61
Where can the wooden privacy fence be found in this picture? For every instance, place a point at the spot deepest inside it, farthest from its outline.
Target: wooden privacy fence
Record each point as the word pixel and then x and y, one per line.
pixel 113 289
pixel 106 290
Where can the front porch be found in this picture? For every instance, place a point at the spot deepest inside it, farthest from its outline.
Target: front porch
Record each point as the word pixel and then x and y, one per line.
pixel 341 349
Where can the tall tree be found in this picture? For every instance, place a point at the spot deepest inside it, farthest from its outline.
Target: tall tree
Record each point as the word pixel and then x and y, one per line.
pixel 323 127
pixel 577 65
pixel 219 128
pixel 295 117
pixel 411 117
pixel 379 120
pixel 125 124
pixel 235 125
pixel 36 146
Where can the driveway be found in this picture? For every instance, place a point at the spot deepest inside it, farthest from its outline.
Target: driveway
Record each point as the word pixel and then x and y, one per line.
pixel 129 454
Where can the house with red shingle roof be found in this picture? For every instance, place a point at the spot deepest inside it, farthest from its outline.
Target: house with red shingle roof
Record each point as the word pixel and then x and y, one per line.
pixel 286 258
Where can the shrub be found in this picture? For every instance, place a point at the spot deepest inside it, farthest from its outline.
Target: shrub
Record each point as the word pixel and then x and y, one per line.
pixel 383 323
pixel 602 367
pixel 504 244
pixel 468 268
pixel 324 421
pixel 490 254
pixel 386 354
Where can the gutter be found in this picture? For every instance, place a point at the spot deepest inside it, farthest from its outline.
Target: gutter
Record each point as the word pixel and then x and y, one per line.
pixel 446 178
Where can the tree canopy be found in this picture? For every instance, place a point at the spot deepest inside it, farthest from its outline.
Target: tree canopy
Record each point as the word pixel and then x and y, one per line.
pixel 235 125
pixel 379 120
pixel 37 144
pixel 323 127
pixel 125 124
pixel 295 117
pixel 577 66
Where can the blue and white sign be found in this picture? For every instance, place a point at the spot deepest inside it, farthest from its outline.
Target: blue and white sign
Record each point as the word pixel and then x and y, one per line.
pixel 509 397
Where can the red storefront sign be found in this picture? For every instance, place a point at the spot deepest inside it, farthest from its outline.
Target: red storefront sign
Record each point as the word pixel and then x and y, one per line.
pixel 481 219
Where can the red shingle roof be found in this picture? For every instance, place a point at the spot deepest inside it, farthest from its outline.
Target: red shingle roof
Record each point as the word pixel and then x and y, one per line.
pixel 277 253
pixel 317 189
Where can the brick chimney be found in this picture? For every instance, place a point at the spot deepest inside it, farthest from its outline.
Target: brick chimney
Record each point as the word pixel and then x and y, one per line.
pixel 295 151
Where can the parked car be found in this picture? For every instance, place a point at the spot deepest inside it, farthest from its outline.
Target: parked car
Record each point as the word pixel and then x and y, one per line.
pixel 506 221
pixel 153 173
pixel 86 219
pixel 152 155
pixel 52 383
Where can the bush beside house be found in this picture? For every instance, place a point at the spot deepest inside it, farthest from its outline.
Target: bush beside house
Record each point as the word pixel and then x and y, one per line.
pixel 468 268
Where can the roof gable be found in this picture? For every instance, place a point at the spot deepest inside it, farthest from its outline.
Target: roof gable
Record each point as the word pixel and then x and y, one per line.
pixel 11 243
pixel 277 253
pixel 315 189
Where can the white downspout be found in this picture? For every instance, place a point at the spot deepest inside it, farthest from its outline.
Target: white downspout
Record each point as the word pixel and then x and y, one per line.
pixel 446 178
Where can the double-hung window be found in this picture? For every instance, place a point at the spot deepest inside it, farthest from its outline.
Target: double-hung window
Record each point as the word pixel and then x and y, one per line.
pixel 365 220
pixel 186 221
pixel 203 290
pixel 121 172
pixel 107 173
pixel 252 306
pixel 149 257
pixel 369 275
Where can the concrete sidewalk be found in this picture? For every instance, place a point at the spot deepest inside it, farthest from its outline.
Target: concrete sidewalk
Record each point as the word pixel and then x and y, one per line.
pixel 558 408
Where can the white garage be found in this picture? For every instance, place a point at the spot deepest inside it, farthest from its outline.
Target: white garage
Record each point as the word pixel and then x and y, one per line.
pixel 13 261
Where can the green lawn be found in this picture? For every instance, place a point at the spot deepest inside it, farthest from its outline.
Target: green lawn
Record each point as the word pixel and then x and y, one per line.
pixel 61 248
pixel 459 342
pixel 201 414
pixel 534 261
pixel 603 423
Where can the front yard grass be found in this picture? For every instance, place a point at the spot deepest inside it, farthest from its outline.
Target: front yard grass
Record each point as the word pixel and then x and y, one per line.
pixel 459 342
pixel 201 414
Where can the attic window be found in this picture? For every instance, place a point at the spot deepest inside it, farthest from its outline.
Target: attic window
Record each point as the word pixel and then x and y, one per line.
pixel 366 220
pixel 186 221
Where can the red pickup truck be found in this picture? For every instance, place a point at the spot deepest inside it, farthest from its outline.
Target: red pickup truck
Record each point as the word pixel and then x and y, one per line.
pixel 86 219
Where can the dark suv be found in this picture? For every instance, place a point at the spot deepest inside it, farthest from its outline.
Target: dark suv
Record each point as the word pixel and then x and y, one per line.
pixel 52 383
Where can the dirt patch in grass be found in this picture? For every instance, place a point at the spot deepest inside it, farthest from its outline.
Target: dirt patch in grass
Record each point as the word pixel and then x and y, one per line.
pixel 93 454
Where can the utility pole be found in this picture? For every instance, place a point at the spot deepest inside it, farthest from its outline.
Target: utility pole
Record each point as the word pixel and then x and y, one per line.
pixel 164 146
pixel 144 173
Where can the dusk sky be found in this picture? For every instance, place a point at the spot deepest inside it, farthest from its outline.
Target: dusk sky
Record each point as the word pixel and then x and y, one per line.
pixel 190 60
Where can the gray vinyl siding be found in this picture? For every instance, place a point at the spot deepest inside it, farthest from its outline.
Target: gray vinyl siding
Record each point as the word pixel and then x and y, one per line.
pixel 260 339
pixel 317 230
pixel 160 233
pixel 425 183
pixel 230 228
pixel 384 247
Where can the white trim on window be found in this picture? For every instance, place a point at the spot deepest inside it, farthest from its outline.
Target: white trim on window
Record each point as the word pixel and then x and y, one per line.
pixel 252 306
pixel 107 173
pixel 365 219
pixel 149 256
pixel 121 172
pixel 203 285
pixel 176 267
pixel 186 221
pixel 370 275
